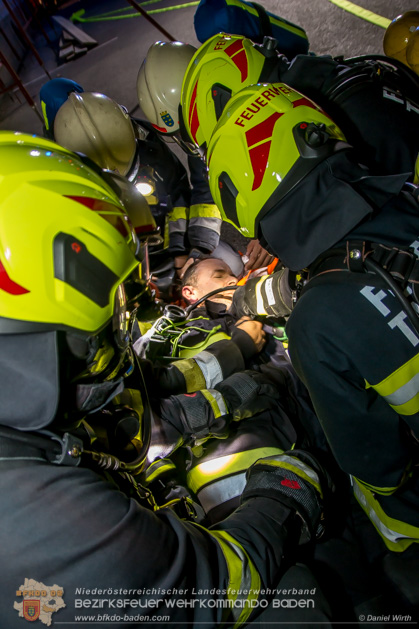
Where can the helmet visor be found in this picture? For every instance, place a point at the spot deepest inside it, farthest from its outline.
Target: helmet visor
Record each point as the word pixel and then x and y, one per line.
pixel 135 204
pixel 120 319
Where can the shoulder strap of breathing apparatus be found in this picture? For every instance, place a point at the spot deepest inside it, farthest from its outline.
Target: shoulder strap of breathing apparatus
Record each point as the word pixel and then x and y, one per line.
pixel 399 268
pixel 373 68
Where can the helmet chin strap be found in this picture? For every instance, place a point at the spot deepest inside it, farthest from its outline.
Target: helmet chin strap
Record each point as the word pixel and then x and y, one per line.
pixel 134 168
pixel 188 147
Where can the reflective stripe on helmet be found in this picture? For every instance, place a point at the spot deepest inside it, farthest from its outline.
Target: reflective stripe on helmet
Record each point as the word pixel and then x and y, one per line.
pixel 74 222
pixel 237 54
pixel 224 62
pixel 8 285
pixel 277 137
pixel 193 115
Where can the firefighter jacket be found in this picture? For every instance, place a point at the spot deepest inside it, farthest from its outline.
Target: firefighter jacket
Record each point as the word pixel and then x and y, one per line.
pixel 216 469
pixel 154 162
pixel 78 546
pixel 182 206
pixel 211 322
pixel 364 385
pixel 353 346
pixel 188 403
pixel 197 226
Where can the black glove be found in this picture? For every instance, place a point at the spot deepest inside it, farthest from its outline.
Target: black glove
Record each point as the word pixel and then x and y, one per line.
pixel 196 417
pixel 268 295
pixel 248 393
pixel 296 479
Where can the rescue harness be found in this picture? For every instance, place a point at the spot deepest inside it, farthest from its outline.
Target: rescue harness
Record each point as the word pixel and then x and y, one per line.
pixel 168 333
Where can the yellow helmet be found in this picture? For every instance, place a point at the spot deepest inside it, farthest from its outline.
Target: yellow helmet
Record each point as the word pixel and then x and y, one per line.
pixel 95 125
pixel 398 35
pixel 221 67
pixel 66 243
pixel 277 136
pixel 67 246
pixel 412 51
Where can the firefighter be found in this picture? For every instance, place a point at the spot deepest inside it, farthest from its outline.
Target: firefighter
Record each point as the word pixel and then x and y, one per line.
pixel 78 531
pixel 353 335
pixel 290 420
pixel 159 84
pixel 97 126
pixel 349 90
pixel 216 472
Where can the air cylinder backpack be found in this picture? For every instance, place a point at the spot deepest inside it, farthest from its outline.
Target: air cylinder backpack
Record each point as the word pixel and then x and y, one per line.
pixel 372 98
pixel 251 20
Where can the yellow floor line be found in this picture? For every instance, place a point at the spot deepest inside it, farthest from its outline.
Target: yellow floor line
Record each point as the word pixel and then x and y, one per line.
pixel 364 14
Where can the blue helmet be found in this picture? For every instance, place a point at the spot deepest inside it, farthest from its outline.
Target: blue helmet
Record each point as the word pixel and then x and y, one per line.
pixel 52 95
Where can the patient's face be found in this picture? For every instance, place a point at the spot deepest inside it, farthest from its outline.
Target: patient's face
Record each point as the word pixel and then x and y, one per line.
pixel 211 274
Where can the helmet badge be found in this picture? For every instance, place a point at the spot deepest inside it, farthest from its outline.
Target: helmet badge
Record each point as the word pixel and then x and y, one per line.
pixel 167 118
